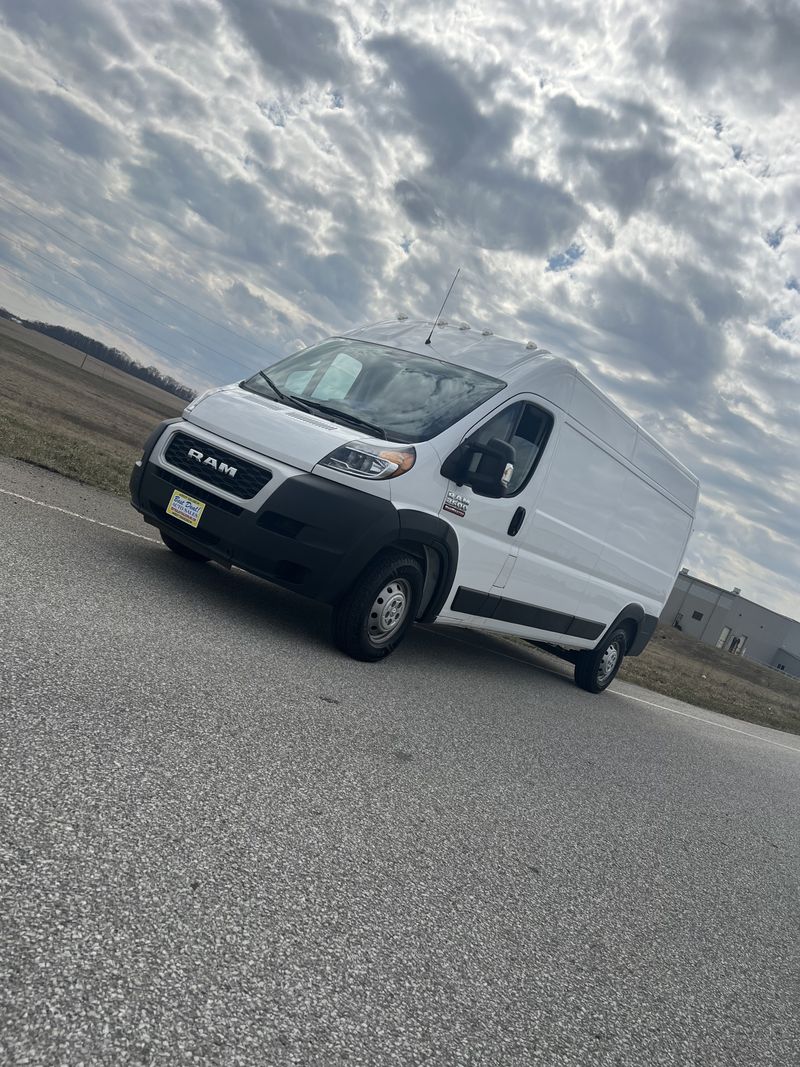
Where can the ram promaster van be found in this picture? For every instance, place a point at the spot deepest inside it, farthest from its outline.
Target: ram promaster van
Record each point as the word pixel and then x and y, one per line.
pixel 467 480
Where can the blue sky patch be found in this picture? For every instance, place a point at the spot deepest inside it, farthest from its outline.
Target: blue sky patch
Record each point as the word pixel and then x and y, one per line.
pixel 564 260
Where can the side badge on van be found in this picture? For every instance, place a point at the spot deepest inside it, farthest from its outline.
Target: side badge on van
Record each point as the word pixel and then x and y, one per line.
pixel 455 503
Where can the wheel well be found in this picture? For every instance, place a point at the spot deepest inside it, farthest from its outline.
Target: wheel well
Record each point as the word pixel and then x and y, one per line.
pixel 433 559
pixel 414 548
pixel 631 628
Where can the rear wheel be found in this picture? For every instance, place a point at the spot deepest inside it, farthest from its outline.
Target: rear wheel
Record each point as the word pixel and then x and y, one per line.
pixel 181 550
pixel 371 620
pixel 596 668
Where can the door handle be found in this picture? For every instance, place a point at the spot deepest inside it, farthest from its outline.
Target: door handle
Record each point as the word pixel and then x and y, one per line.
pixel 516 522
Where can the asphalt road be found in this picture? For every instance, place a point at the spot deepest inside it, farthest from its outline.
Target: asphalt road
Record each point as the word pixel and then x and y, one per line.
pixel 221 842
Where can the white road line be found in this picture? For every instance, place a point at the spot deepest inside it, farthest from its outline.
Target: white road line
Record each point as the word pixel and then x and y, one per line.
pixel 619 693
pixel 708 722
pixel 75 515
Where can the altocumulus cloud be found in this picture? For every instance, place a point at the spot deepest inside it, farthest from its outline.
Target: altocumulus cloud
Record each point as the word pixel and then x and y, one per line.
pixel 619 182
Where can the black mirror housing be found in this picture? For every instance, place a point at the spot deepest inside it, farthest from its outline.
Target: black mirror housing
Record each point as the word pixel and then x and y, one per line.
pixel 493 473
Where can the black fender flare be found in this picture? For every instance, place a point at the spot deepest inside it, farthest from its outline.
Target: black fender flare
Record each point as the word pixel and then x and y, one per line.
pixel 645 626
pixel 432 533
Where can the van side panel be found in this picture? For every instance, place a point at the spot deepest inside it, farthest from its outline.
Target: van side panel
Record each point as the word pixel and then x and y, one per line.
pixel 601 417
pixel 598 414
pixel 565 532
pixel 660 467
pixel 644 528
pixel 600 536
pixel 643 550
pixel 560 543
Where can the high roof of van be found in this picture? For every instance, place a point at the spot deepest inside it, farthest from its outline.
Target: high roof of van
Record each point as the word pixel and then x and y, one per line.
pixel 455 343
pixel 556 378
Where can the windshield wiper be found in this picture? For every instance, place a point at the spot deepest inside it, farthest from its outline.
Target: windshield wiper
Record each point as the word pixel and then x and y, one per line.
pixel 353 420
pixel 290 401
pixel 274 388
pixel 314 405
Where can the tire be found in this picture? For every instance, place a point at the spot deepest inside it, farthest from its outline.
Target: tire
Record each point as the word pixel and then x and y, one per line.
pixel 596 668
pixel 373 617
pixel 181 550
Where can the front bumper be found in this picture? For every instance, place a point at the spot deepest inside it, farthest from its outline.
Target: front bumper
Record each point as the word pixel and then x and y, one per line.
pixel 311 535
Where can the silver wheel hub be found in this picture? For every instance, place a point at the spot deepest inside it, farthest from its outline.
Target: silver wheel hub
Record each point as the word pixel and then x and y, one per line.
pixel 607 663
pixel 388 611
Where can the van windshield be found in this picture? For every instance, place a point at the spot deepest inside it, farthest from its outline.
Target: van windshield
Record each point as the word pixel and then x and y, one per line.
pixel 407 396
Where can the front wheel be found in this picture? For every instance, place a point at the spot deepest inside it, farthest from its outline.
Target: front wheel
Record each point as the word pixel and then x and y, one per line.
pixel 371 620
pixel 596 668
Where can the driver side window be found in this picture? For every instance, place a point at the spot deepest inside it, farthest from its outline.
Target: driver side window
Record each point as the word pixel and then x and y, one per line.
pixel 526 428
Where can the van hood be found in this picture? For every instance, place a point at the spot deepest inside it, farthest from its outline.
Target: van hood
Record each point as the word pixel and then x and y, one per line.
pixel 269 428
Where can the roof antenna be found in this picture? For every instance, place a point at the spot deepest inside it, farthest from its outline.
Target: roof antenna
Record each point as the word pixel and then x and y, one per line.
pixel 441 309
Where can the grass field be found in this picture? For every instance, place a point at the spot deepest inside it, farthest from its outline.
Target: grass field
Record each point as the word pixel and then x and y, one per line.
pixel 70 420
pixel 679 667
pixel 85 427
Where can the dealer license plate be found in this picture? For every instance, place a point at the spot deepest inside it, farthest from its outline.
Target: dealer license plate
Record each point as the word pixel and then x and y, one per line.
pixel 185 508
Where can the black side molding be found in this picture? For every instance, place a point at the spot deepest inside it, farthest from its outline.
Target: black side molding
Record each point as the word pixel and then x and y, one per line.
pixel 487 606
pixel 471 602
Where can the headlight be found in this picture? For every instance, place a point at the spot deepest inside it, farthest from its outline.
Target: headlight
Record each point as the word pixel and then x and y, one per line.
pixel 367 459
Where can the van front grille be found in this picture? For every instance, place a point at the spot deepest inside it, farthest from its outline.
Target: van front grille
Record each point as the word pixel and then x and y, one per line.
pixel 215 466
pixel 195 490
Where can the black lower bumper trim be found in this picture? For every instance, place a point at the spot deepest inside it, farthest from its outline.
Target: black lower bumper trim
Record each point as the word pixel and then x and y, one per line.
pixel 312 535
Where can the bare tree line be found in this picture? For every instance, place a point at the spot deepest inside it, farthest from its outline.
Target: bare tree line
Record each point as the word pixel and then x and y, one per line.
pixel 113 356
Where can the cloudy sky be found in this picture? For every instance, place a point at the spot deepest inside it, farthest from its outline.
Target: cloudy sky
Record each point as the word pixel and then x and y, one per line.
pixel 619 181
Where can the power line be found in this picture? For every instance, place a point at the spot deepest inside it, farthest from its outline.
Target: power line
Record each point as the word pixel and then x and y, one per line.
pixel 113 296
pixel 136 278
pixel 105 322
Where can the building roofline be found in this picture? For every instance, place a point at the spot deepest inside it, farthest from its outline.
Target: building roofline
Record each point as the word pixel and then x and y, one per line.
pixel 738 596
pixel 710 585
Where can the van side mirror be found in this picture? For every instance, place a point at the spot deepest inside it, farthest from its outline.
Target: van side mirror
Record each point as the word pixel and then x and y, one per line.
pixel 494 471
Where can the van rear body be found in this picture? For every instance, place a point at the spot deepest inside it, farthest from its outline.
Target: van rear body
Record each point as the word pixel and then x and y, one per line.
pixel 508 493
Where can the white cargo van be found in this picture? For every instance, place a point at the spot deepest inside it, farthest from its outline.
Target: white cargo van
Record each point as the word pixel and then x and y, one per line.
pixel 470 480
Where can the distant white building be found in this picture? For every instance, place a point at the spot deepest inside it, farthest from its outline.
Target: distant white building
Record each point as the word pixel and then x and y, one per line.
pixel 723 617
